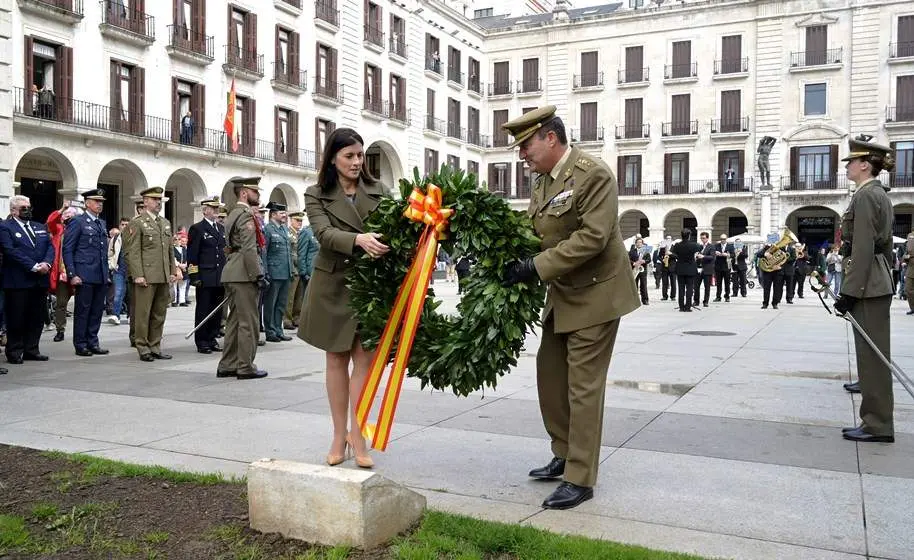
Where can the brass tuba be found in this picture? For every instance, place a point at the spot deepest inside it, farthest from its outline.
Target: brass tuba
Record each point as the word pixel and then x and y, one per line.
pixel 776 256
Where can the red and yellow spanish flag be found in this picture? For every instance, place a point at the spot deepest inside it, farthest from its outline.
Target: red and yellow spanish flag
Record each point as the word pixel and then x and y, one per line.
pixel 229 123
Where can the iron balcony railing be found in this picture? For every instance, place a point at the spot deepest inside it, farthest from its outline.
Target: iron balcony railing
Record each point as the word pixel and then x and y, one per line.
pixel 499 139
pixel 86 115
pixel 673 71
pixel 474 85
pixel 530 85
pixel 286 74
pixel 683 128
pixel 398 112
pixel 117 14
pixel 587 134
pixel 899 114
pixel 477 139
pixel 632 131
pixel 328 89
pixel 501 88
pixel 524 188
pixel 71 7
pixel 821 181
pixel 437 126
pixel 398 46
pixel 685 186
pixel 243 59
pixel 455 75
pixel 376 106
pixel 634 75
pixel 898 179
pixel 326 10
pixel 454 130
pixel 901 50
pixel 721 126
pixel 374 35
pixel 731 66
pixel 587 80
pixel 433 63
pixel 816 58
pixel 293 3
pixel 186 39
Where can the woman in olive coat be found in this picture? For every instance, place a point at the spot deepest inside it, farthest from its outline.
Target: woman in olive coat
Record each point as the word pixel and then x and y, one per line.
pixel 345 194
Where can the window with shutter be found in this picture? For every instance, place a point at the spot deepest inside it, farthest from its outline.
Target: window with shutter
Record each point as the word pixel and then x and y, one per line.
pixel 905 44
pixel 682 60
pixel 634 123
pixel 30 98
pixel 531 75
pixel 681 114
pixel 730 109
pixel 473 126
pixel 590 70
pixel 499 135
pixel 430 109
pixel 731 54
pixel 816 45
pixel 679 174
pixel 473 67
pixel 501 78
pixel 589 132
pixel 730 170
pixel 454 66
pixel 634 64
pixel 453 162
pixel 904 164
pixel 815 167
pixel 904 98
pixel 631 169
pixel 199 113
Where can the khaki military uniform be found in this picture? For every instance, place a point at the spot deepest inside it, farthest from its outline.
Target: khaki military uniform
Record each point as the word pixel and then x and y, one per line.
pixel 293 304
pixel 909 273
pixel 149 255
pixel 575 211
pixel 867 227
pixel 242 270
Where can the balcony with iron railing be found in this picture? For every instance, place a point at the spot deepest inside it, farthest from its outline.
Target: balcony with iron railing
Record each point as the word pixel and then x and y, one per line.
pixel 524 189
pixel 326 90
pixel 122 22
pixel 587 81
pixel 497 89
pixel 687 71
pixel 87 117
pixel 398 113
pixel 63 11
pixel 374 37
pixel 634 76
pixel 455 77
pixel 290 6
pixel 288 78
pixel 633 131
pixel 529 86
pixel 435 126
pixel 474 86
pixel 899 115
pixel 398 46
pixel 587 134
pixel 735 67
pixel 720 185
pixel 500 139
pixel 245 63
pixel 456 132
pixel 817 182
pixel 730 126
pixel 474 138
pixel 433 65
pixel 829 58
pixel 375 107
pixel 325 11
pixel 185 43
pixel 679 128
pixel 901 50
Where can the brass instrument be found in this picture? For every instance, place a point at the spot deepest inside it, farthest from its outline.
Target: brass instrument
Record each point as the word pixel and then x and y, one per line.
pixel 666 258
pixel 644 250
pixel 801 251
pixel 776 256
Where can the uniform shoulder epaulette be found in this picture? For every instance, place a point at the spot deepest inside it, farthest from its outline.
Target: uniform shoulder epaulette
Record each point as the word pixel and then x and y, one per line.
pixel 585 163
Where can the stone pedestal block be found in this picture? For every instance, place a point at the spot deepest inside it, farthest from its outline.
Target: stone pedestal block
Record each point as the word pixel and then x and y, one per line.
pixel 329 505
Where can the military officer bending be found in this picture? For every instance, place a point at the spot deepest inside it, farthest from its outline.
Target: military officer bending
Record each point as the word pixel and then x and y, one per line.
pixel 575 210
pixel 205 260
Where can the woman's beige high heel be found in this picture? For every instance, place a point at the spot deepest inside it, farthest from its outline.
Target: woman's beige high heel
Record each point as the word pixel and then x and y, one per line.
pixel 364 461
pixel 334 460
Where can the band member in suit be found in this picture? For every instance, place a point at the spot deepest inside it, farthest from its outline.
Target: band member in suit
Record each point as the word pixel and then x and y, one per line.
pixel 657 265
pixel 774 279
pixel 789 270
pixel 575 210
pixel 801 270
pixel 667 269
pixel 739 271
pixel 723 260
pixel 639 255
pixel 706 263
pixel 279 269
pixel 85 256
pixel 682 261
pixel 205 261
pixel 27 257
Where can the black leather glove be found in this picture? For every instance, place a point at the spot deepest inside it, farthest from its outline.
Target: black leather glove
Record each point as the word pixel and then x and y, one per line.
pixel 262 282
pixel 520 271
pixel 844 304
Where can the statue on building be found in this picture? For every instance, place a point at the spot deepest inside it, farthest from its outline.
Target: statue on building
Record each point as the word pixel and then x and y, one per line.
pixel 764 148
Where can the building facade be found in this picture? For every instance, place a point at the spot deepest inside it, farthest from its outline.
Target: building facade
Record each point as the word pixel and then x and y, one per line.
pixel 676 97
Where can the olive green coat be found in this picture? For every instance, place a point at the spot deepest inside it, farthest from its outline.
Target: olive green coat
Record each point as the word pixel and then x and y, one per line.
pixel 243 264
pixel 149 248
pixel 327 322
pixel 867 225
pixel 583 260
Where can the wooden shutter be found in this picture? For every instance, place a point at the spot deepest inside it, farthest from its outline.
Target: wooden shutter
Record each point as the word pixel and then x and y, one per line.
pixel 138 101
pixel 904 98
pixel 741 172
pixel 685 172
pixel 730 111
pixel 114 98
pixel 29 78
pixel 833 157
pixel 331 73
pixel 816 44
pixel 519 176
pixel 681 114
pixel 588 121
pixel 589 69
pixel 634 64
pixel 721 170
pixel 794 166
pixel 731 54
pixel 501 77
pixel 667 171
pixel 905 36
pixel 65 93
pixel 251 115
pixel 531 71
pixel 892 175
pixel 278 153
pixel 292 141
pixel 233 46
pixel 176 112
pixel 280 67
pixel 198 12
pixel 198 102
pixel 318 149
pixel 401 97
pixel 250 42
pixel 492 177
pixel 682 59
pixel 620 171
pixel 634 118
pixel 294 56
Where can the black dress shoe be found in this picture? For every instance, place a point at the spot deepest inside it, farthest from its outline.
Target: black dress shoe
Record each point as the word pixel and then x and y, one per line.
pixel 705 304
pixel 857 434
pixel 204 350
pixel 226 373
pixel 85 352
pixel 133 344
pixel 727 300
pixel 215 347
pixel 253 375
pixel 852 387
pixel 790 301
pixel 261 342
pixel 554 469
pixel 15 360
pixel 160 356
pixel 851 429
pixel 774 305
pixel 99 350
pixel 4 371
pixel 910 312
pixel 183 304
pixel 765 306
pixel 717 300
pixel 58 337
pixel 274 339
pixel 34 357
pixel 567 496
pixel 146 358
pixel 285 338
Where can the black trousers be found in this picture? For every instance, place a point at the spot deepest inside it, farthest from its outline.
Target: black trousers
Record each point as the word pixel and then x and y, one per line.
pixel 739 282
pixel 641 282
pixel 706 279
pixel 722 279
pixel 88 307
pixel 668 279
pixel 208 299
pixel 775 280
pixel 24 320
pixel 686 283
pixel 799 279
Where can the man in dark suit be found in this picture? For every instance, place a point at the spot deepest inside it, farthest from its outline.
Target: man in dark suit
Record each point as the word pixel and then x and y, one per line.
pixel 707 270
pixel 789 272
pixel 205 260
pixel 723 260
pixel 682 261
pixel 739 271
pixel 27 257
pixel 802 269
pixel 85 257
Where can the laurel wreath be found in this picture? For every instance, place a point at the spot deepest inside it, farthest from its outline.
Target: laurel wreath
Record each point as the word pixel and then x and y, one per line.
pixel 468 352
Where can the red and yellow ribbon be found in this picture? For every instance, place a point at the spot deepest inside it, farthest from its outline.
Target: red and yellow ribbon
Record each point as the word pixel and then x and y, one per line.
pixel 404 317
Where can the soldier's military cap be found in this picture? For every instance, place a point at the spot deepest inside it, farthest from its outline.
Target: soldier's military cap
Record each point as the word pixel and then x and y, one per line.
pixel 153 192
pixel 94 194
pixel 861 147
pixel 526 125
pixel 297 215
pixel 252 183
pixel 223 212
pixel 276 207
pixel 212 202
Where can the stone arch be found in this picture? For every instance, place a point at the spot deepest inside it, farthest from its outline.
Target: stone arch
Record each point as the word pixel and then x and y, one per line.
pixel 47 177
pixel 122 180
pixel 728 221
pixel 677 219
pixel 815 129
pixel 185 189
pixel 284 193
pixel 632 222
pixel 814 225
pixel 383 161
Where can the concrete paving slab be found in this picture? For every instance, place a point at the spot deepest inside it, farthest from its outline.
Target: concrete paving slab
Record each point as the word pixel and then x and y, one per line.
pixel 890 526
pixel 175 461
pixel 748 440
pixel 647 366
pixel 38 440
pixel 642 395
pixel 885 459
pixel 23 402
pixel 479 508
pixel 805 507
pixel 268 394
pixel 677 539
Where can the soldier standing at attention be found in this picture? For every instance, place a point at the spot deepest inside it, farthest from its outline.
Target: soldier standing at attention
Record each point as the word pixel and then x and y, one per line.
pixel 205 260
pixel 139 208
pixel 151 263
pixel 575 211
pixel 293 305
pixel 243 279
pixel 308 248
pixel 85 257
pixel 278 267
pixel 866 292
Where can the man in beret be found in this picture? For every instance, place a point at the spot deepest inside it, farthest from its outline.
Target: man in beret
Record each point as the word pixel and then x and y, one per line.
pixel 85 257
pixel 867 288
pixel 575 211
pixel 205 260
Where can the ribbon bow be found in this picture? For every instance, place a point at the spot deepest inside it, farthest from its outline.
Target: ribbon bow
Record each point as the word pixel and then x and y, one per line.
pixel 424 208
